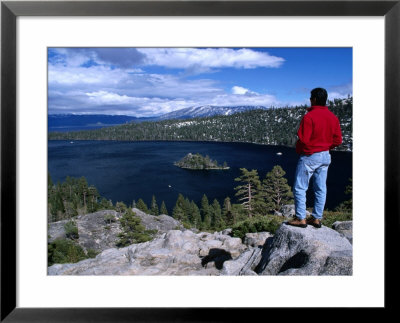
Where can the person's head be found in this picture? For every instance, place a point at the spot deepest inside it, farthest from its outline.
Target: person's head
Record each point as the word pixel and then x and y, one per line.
pixel 318 96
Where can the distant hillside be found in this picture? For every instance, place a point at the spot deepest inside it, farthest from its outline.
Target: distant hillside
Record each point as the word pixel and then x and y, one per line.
pixel 274 126
pixel 76 122
pixel 206 111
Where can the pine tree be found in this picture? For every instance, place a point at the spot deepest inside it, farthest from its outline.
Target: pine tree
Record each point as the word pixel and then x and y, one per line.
pixel 275 190
pixel 163 209
pixel 205 213
pixel 93 195
pixel 227 213
pixel 83 190
pixel 132 230
pixel 154 206
pixel 195 216
pixel 141 205
pixel 120 207
pixel 180 210
pixel 216 220
pixel 248 192
pixel 347 205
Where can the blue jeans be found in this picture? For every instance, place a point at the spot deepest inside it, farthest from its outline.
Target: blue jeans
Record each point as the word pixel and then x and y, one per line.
pixel 315 165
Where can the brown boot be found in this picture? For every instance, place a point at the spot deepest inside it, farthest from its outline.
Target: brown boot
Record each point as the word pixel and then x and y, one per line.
pixel 314 222
pixel 296 222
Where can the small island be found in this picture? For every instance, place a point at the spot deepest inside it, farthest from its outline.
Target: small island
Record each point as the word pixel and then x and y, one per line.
pixel 199 162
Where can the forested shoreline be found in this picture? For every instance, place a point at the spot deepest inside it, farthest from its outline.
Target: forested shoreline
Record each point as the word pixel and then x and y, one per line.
pixel 274 126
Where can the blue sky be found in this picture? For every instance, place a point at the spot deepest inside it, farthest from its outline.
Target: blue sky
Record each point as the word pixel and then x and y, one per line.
pixel 145 82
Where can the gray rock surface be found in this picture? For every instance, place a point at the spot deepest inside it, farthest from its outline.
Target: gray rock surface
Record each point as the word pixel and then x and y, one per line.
pixel 95 232
pixel 307 251
pixel 173 253
pixel 256 239
pixel 345 228
pixel 288 211
pixel 162 223
pixel 290 251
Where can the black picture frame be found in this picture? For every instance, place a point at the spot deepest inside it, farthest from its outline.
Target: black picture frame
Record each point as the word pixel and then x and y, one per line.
pixel 10 10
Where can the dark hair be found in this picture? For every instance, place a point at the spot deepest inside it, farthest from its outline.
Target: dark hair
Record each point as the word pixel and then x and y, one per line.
pixel 320 95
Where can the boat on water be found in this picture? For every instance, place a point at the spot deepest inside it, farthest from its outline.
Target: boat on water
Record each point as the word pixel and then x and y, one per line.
pixel 279 153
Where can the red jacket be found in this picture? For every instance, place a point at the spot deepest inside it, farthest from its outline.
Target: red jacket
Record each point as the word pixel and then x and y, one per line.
pixel 319 131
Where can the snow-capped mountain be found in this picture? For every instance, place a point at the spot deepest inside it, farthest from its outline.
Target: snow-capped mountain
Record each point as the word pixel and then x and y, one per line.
pixel 206 111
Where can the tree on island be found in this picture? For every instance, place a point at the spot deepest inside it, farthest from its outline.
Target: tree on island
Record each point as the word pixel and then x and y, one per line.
pixel 199 162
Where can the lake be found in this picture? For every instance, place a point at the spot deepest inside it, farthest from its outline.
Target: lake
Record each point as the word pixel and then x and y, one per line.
pixel 127 171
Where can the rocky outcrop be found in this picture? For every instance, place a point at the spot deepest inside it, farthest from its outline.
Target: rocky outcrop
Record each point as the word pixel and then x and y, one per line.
pixel 256 239
pixel 162 223
pixel 290 251
pixel 97 231
pixel 289 211
pixel 306 251
pixel 173 253
pixel 345 228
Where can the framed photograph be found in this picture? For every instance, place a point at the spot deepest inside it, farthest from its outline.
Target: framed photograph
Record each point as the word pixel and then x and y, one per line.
pixel 44 45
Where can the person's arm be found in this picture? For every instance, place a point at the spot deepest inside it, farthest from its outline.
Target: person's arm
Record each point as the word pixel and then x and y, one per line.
pixel 337 136
pixel 304 134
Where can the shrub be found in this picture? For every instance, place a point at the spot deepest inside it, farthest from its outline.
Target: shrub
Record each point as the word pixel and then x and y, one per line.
pixel 63 251
pixel 268 223
pixel 71 230
pixel 91 253
pixel 132 230
pixel 331 217
pixel 109 218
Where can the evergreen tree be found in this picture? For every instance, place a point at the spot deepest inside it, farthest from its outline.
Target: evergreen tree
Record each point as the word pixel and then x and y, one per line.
pixel 180 212
pixel 154 206
pixel 73 197
pixel 83 190
pixel 163 209
pixel 347 205
pixel 132 230
pixel 195 216
pixel 248 192
pixel 275 190
pixel 227 213
pixel 120 207
pixel 216 221
pixel 93 195
pixel 141 205
pixel 105 204
pixel 205 213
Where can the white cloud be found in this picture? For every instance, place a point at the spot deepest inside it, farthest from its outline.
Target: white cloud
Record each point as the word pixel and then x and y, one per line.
pixel 239 90
pixel 243 91
pixel 185 58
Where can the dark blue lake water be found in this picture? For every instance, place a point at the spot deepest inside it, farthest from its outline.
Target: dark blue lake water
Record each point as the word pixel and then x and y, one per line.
pixel 127 171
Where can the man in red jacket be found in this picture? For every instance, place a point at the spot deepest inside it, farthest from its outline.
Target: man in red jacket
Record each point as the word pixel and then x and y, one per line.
pixel 318 133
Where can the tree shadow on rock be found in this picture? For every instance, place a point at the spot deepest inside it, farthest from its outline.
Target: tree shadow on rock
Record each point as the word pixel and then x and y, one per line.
pixel 265 256
pixel 218 256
